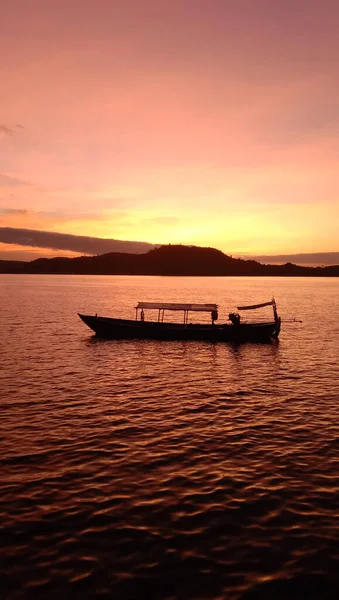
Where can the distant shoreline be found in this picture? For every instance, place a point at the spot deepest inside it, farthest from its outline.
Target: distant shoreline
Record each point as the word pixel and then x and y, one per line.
pixel 185 261
pixel 282 275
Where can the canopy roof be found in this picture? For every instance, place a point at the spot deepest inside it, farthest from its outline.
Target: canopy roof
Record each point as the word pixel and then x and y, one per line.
pixel 174 306
pixel 255 306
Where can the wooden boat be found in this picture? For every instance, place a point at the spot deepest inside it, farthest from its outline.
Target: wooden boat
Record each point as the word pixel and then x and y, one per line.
pixel 234 330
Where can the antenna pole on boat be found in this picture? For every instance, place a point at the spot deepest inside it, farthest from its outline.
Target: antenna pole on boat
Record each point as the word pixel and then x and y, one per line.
pixel 292 320
pixel 276 318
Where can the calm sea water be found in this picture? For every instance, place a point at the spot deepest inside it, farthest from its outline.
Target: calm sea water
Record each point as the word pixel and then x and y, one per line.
pixel 143 469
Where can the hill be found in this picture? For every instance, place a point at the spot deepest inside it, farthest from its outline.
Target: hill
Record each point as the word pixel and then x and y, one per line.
pixel 166 260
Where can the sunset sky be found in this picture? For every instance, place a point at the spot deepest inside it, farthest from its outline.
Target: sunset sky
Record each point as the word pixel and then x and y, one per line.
pixel 207 122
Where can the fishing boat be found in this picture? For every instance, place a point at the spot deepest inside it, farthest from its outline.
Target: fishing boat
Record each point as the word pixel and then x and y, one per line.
pixel 234 330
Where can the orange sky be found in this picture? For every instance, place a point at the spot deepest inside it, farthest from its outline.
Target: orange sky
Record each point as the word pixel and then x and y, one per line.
pixel 172 121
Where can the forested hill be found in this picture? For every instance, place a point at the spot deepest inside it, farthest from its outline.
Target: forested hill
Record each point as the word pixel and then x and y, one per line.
pixel 166 260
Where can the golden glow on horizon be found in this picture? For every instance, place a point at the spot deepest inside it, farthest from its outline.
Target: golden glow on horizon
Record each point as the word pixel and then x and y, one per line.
pixel 233 233
pixel 28 253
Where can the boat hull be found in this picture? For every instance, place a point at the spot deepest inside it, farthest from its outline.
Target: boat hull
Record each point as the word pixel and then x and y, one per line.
pixel 106 327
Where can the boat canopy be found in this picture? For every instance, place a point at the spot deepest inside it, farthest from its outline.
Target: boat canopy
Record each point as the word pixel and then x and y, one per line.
pixel 256 306
pixel 175 306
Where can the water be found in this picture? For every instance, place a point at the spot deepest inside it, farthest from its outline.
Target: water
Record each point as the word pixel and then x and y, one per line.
pixel 143 469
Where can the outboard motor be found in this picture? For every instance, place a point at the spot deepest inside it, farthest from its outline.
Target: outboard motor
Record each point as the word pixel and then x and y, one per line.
pixel 234 318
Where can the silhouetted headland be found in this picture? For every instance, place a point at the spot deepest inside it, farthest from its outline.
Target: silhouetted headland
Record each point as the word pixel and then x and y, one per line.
pixel 166 260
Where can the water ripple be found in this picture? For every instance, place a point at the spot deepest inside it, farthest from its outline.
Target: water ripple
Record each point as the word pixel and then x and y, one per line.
pixel 166 470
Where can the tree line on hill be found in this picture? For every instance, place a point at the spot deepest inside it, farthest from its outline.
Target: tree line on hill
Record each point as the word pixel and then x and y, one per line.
pixel 165 260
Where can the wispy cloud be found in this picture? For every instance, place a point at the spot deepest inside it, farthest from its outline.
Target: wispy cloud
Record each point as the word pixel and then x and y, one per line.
pixel 314 258
pixel 14 211
pixel 10 131
pixel 6 130
pixel 10 181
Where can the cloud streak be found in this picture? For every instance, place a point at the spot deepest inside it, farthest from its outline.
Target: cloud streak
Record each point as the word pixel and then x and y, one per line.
pixel 14 211
pixel 311 258
pixel 73 243
pixel 10 131
pixel 6 130
pixel 9 181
